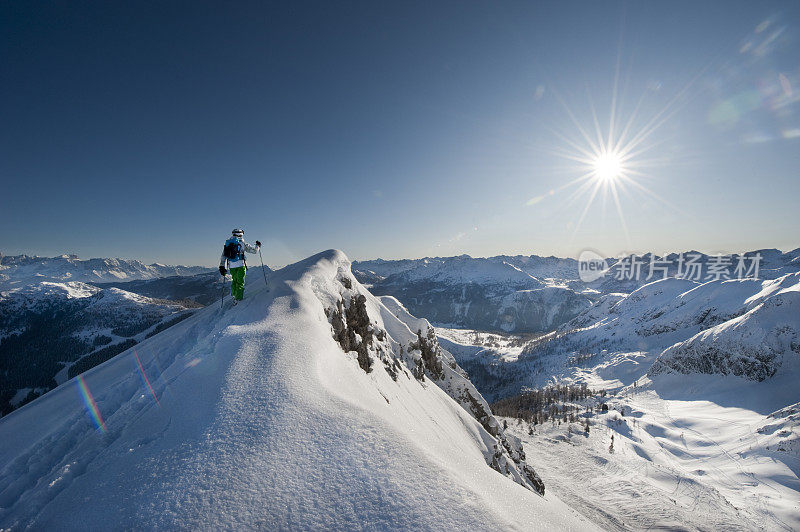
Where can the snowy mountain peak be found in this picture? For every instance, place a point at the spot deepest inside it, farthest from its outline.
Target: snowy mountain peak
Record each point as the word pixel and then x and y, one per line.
pixel 310 389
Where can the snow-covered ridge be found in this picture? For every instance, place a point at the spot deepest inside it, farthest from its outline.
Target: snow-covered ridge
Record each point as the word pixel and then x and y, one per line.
pixel 761 341
pixel 255 417
pixel 22 269
pixel 382 334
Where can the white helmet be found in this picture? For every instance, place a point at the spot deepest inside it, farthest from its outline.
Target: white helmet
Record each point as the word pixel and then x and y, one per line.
pixel 238 233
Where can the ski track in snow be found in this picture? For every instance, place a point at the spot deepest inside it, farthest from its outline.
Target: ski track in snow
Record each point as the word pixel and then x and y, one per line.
pixel 681 465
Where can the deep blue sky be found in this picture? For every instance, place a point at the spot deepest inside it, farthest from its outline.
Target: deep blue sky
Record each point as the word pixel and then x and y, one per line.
pixel 150 129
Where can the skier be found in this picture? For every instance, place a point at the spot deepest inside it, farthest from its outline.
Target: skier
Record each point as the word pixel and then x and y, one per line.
pixel 233 259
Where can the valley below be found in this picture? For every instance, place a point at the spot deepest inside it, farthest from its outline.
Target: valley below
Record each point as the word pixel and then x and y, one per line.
pixel 676 452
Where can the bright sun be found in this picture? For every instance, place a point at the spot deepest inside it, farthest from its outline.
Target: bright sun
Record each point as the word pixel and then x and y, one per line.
pixel 610 160
pixel 607 166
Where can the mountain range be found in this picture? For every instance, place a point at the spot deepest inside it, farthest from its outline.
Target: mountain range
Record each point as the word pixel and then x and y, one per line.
pixel 748 328
pixel 320 388
pixel 18 270
pixel 532 294
pixel 312 404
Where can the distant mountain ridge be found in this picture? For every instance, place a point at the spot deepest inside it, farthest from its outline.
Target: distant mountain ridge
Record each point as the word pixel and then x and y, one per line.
pixel 537 294
pixel 465 267
pixel 504 293
pixel 17 270
pixel 774 263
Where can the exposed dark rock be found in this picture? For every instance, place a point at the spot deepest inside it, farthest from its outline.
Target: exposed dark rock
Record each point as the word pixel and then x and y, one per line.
pixel 431 352
pixel 352 329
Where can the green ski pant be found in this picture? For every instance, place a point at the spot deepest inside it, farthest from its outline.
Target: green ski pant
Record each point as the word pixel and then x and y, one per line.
pixel 237 282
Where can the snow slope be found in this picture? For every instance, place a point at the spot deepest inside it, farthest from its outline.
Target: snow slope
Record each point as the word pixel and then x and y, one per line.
pixel 757 344
pixel 707 375
pixel 710 373
pixel 691 453
pixel 255 417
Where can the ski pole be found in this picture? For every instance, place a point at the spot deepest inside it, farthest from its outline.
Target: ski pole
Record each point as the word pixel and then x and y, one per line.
pixel 222 301
pixel 262 267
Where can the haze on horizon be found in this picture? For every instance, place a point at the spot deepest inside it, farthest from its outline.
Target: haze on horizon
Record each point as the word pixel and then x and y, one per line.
pixel 150 130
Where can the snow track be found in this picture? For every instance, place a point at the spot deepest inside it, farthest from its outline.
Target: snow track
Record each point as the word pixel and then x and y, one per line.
pixel 680 462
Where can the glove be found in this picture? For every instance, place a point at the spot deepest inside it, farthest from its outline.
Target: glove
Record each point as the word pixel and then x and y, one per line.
pixel 222 270
pixel 258 244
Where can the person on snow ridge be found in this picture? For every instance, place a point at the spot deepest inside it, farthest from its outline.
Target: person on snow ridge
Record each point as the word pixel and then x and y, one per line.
pixel 233 259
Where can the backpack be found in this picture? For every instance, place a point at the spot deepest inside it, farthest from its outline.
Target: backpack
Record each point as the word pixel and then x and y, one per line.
pixel 233 249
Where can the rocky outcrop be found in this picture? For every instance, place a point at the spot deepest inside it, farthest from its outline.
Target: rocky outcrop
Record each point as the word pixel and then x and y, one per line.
pixel 359 326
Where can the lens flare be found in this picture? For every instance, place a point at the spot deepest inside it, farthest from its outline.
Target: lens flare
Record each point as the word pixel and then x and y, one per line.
pixel 91 405
pixel 145 380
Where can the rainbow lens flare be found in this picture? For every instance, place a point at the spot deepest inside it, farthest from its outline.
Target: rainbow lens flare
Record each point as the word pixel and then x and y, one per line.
pixel 145 380
pixel 91 406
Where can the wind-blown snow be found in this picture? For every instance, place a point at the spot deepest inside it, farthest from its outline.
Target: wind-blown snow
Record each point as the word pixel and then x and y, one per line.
pixel 259 420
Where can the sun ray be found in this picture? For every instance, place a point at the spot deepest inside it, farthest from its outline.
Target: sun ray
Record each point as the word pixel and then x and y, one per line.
pixel 621 215
pixel 575 121
pixel 614 91
pixel 667 112
pixel 644 190
pixel 629 123
pixel 577 193
pixel 600 140
pixel 587 153
pixel 587 183
pixel 597 186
